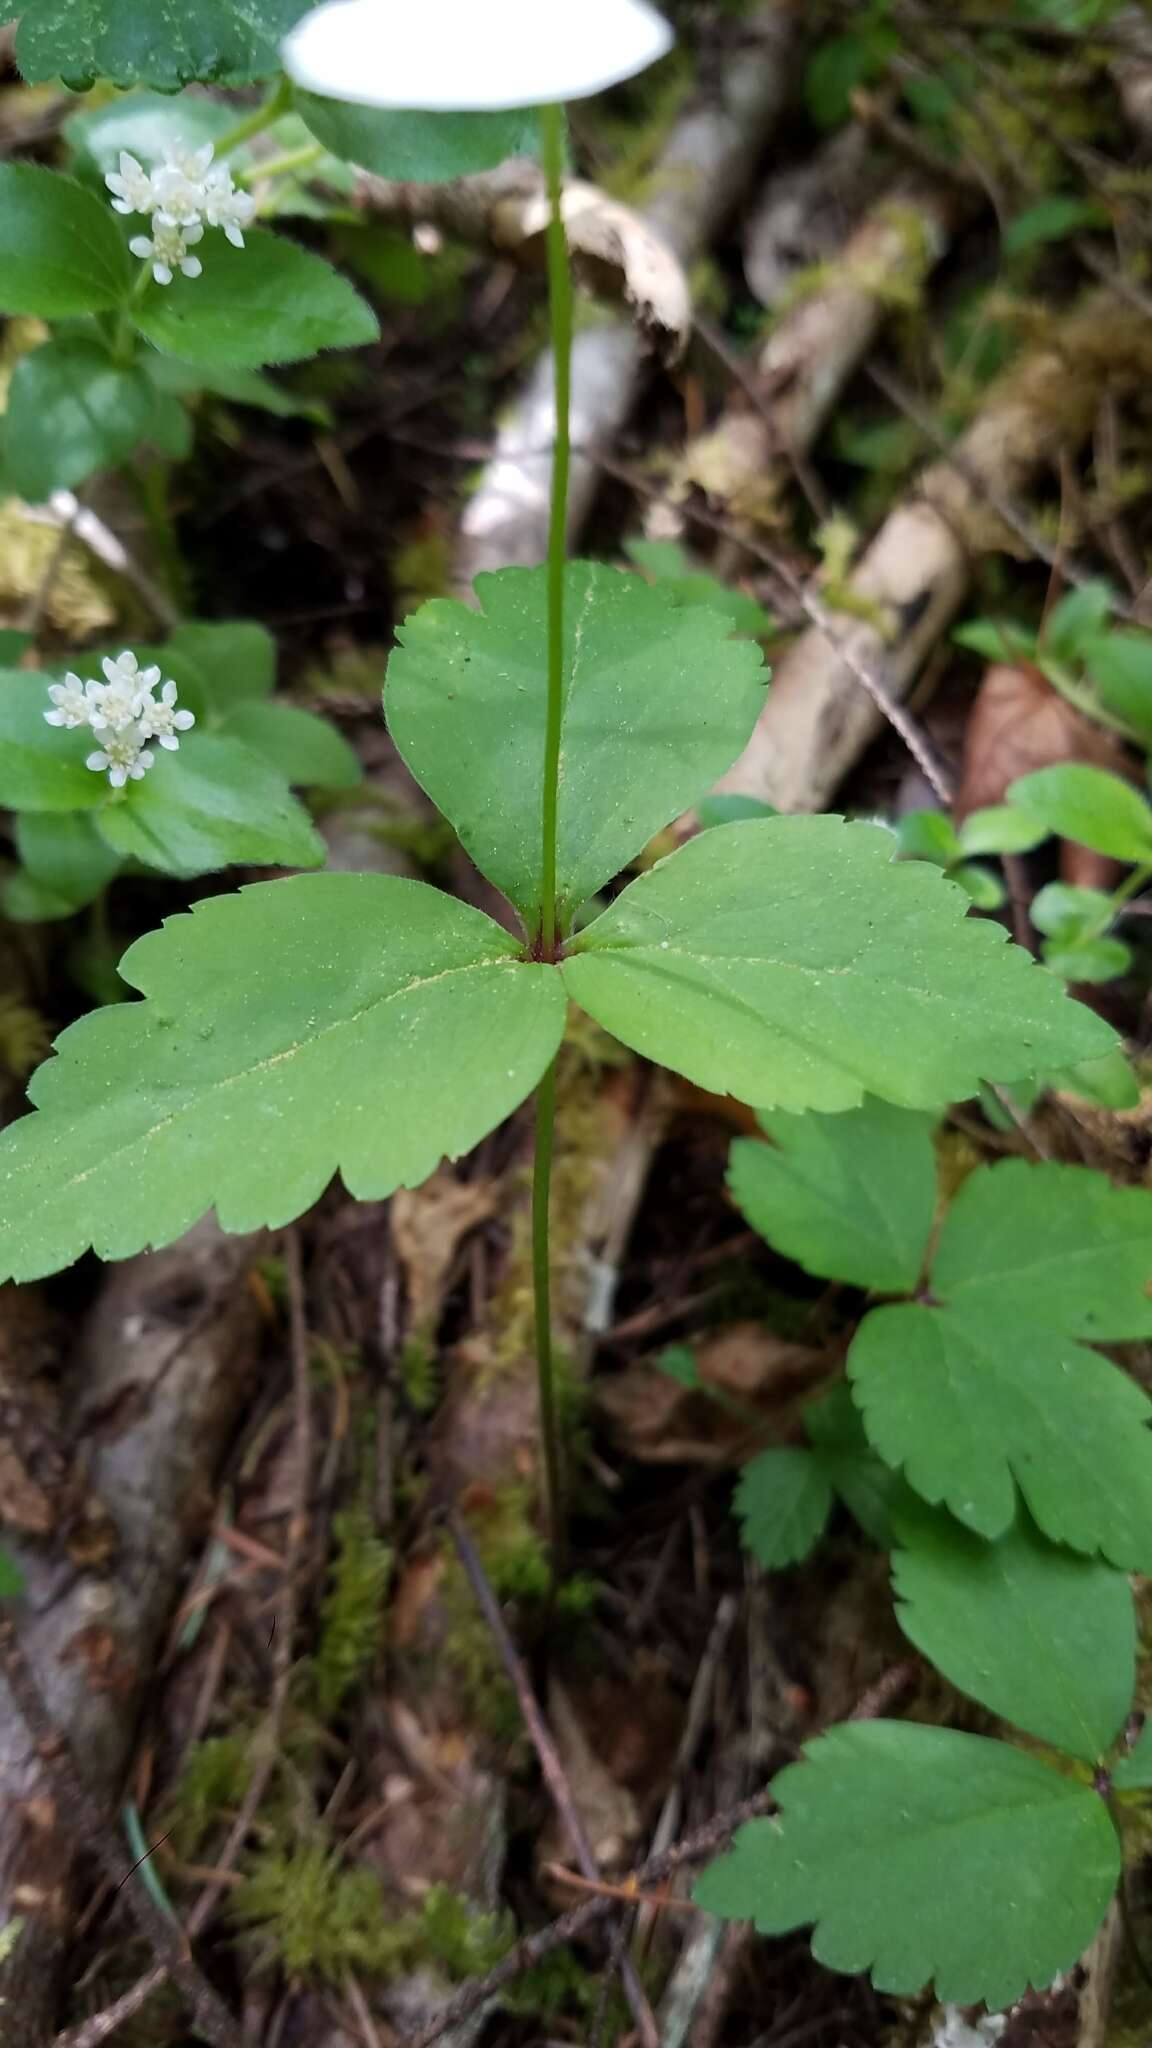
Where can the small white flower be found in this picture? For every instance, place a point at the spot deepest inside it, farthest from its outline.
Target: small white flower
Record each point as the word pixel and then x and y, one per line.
pixel 167 249
pixel 123 756
pixel 131 186
pixel 72 701
pixel 457 54
pixel 160 720
pixel 225 207
pixel 179 184
pixel 954 2031
pixel 115 703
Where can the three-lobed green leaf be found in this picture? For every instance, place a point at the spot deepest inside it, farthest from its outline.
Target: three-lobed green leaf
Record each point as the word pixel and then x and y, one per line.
pixel 60 252
pixel 849 1197
pixel 658 702
pixel 792 963
pixel 921 1853
pixel 296 1029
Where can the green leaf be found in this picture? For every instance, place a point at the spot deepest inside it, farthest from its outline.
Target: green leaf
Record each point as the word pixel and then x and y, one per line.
pixel 294 1030
pixel 238 387
pixel 213 804
pixel 1000 829
pixel 1064 911
pixel 146 124
pixel 72 411
pixel 166 43
pixel 678 1362
pixel 419 148
pixel 234 660
pixel 11 1577
pixel 13 643
pixel 60 252
pixel 928 835
pixel 782 1502
pixel 305 750
pixel 658 702
pixel 984 889
pixel 1133 1773
pixel 792 963
pixel 867 1487
pixel 41 766
pixel 64 853
pixel 729 807
pixel 1120 665
pixel 850 1197
pixel 1090 806
pixel 1050 220
pixel 270 302
pixel 1043 1638
pixel 990 1389
pixel 1077 620
pixel 1089 960
pixel 923 1853
pixel 1109 1082
pixel 996 639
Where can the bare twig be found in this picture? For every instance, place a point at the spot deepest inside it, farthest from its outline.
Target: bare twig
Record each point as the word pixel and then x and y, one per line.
pixel 555 1776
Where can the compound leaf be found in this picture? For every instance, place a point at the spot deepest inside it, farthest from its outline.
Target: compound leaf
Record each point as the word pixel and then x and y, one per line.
pixel 212 805
pixel 1042 1637
pixel 72 411
pixel 41 766
pixel 792 963
pixel 60 253
pixel 658 702
pixel 782 1502
pixel 270 302
pixel 296 1029
pixel 923 1853
pixel 850 1197
pixel 165 44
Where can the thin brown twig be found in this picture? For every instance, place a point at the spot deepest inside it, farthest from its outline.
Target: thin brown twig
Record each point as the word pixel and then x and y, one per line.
pixel 97 1824
pixel 555 1776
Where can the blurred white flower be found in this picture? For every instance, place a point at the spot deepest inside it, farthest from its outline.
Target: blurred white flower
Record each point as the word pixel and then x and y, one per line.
pixel 457 55
pixel 72 702
pixel 952 2030
pixel 178 184
pixel 160 720
pixel 130 186
pixel 167 249
pixel 123 756
pixel 225 207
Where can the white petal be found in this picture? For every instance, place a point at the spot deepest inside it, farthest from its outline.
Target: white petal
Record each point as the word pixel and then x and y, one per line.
pixel 141 247
pixel 183 721
pixel 459 54
pixel 55 718
pixel 150 677
pixel 123 206
pixel 168 741
pixel 193 235
pixel 162 273
pixel 97 761
pixel 191 266
pixel 117 776
pixel 233 235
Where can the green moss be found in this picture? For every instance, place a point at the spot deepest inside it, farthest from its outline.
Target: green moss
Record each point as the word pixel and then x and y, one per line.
pixel 418 1374
pixel 352 1613
pixel 212 1781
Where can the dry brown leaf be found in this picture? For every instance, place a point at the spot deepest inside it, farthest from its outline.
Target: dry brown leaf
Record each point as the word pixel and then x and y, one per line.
pixel 607 1808
pixel 1018 724
pixel 429 1224
pixel 615 253
pixel 661 1422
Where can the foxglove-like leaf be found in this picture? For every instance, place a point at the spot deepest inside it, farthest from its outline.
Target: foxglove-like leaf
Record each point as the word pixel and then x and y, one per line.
pixel 60 253
pixel 782 1502
pixel 270 302
pixel 351 1023
pixel 792 963
pixel 163 43
pixel 658 702
pixel 921 1853
pixel 214 804
pixel 850 1197
pixel 1042 1637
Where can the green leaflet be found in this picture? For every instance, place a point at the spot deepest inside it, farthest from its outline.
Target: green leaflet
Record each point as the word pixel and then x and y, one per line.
pixel 41 766
pixel 922 1853
pixel 163 43
pixel 867 1487
pixel 60 253
pixel 782 1502
pixel 792 963
pixel 304 749
pixel 421 148
pixel 1044 1638
pixel 850 1197
pixel 659 701
pixel 227 662
pixel 1091 806
pixel 270 302
pixel 72 411
pixel 297 1029
pixel 213 804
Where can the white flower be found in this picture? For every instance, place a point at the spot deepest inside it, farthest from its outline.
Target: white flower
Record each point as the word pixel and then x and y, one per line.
pixel 225 207
pixel 459 54
pixel 131 186
pixel 115 703
pixel 160 720
pixel 167 250
pixel 954 2031
pixel 179 184
pixel 124 756
pixel 72 700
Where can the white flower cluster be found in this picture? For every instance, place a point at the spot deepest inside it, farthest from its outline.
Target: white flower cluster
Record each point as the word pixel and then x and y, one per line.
pixel 124 713
pixel 184 195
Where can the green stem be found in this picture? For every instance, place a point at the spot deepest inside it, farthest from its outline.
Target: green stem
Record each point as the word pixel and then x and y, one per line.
pixel 560 307
pixel 124 339
pixel 542 1301
pixel 278 166
pixel 552 136
pixel 278 102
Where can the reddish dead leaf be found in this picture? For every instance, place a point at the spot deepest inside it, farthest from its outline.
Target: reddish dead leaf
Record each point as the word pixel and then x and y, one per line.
pixel 1018 724
pixel 760 1376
